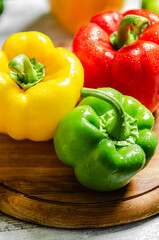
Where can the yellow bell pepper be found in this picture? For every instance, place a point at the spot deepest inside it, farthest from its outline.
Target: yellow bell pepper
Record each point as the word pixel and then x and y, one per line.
pixel 72 14
pixel 35 94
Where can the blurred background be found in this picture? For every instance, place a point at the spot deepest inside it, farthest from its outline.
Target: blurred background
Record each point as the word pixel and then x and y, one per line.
pixel 59 19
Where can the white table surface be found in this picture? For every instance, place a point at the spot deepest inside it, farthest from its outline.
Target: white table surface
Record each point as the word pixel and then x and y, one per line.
pixel 25 15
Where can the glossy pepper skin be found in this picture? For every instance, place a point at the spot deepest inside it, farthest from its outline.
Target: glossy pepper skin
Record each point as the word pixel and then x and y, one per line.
pixel 132 68
pixel 33 110
pixel 107 139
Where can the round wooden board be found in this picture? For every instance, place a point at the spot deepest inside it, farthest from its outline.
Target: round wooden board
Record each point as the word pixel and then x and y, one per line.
pixel 35 186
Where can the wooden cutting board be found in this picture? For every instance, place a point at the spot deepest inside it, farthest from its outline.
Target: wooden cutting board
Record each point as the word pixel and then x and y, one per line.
pixel 35 186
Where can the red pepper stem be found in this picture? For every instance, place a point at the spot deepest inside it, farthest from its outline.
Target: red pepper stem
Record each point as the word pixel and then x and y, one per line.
pixel 124 36
pixel 119 128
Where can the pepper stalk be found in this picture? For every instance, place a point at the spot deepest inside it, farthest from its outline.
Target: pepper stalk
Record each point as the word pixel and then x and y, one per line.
pixel 118 128
pixel 25 72
pixel 124 36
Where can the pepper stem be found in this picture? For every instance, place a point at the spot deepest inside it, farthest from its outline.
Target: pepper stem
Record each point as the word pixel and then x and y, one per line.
pixel 26 72
pixel 124 36
pixel 119 128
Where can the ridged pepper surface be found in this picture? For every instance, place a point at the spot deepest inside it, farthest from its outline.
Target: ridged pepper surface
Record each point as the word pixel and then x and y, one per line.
pixel 114 56
pixel 107 139
pixel 39 84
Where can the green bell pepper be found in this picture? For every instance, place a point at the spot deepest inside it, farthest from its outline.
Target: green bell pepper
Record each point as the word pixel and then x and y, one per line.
pixel 151 5
pixel 107 138
pixel 1 6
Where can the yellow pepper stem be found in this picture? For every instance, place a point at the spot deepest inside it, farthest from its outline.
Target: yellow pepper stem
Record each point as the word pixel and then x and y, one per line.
pixel 25 72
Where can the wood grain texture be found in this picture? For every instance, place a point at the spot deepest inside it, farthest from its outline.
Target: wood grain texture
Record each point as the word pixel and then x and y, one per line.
pixel 35 186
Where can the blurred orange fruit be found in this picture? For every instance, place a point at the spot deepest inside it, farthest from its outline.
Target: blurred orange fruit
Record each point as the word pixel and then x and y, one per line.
pixel 72 14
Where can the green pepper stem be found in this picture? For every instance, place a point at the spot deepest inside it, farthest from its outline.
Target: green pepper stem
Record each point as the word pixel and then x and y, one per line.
pixel 21 64
pixel 26 72
pixel 118 129
pixel 124 36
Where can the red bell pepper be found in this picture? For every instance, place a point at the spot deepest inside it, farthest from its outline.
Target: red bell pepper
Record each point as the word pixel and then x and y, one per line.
pixel 114 56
